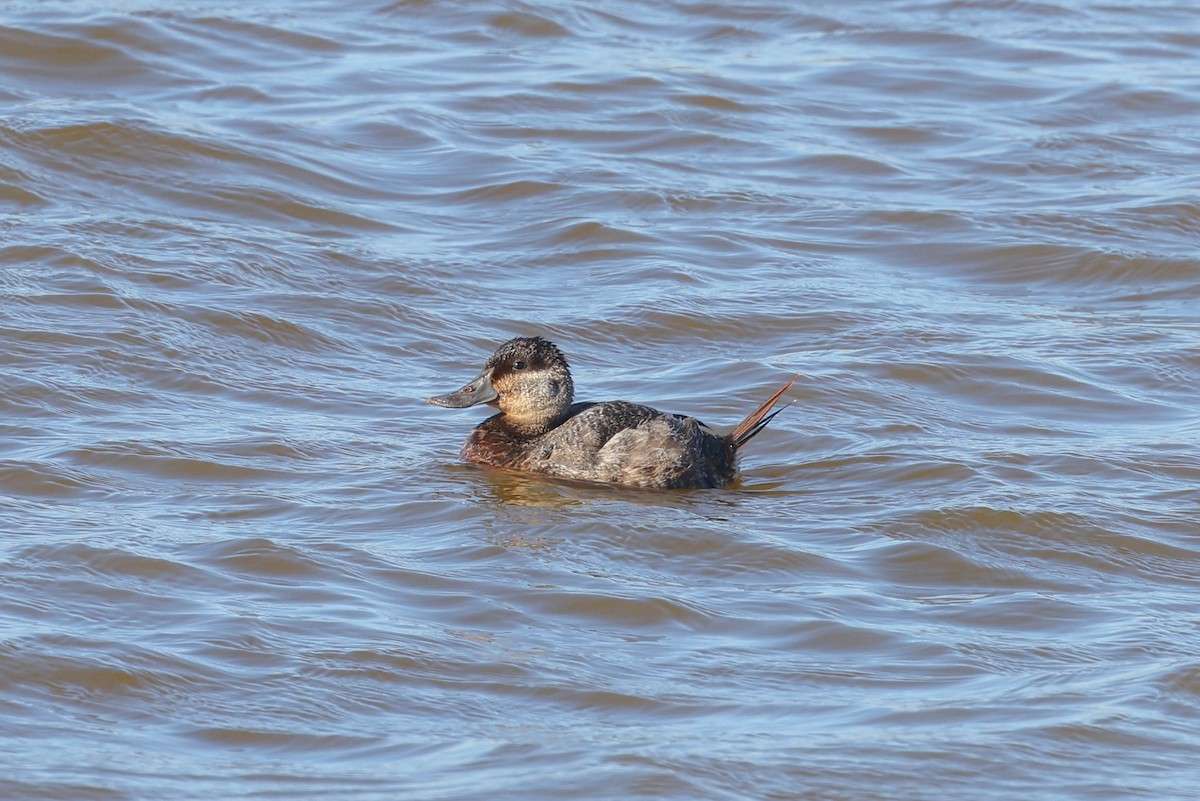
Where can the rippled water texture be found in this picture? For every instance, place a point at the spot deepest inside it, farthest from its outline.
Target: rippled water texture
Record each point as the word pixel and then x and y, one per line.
pixel 241 242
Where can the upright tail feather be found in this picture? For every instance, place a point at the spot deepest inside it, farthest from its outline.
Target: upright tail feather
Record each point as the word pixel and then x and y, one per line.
pixel 757 420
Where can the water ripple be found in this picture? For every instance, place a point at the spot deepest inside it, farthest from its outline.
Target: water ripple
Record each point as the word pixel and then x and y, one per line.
pixel 242 243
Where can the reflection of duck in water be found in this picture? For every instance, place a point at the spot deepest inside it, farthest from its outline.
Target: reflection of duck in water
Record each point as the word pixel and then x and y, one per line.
pixel 541 430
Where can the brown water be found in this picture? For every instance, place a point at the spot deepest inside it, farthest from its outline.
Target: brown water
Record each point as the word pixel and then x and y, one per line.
pixel 242 242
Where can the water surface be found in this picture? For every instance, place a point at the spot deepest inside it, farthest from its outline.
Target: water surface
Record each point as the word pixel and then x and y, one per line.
pixel 240 244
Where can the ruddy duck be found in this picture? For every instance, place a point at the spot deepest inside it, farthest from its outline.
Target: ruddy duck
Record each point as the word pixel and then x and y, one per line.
pixel 540 428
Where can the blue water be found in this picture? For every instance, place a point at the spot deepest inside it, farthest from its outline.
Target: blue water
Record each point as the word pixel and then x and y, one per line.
pixel 241 244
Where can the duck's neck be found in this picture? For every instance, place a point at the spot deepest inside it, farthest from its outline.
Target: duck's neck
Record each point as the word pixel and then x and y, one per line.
pixel 530 424
pixel 530 416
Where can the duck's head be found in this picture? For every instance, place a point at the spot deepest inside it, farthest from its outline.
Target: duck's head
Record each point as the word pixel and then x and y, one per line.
pixel 527 378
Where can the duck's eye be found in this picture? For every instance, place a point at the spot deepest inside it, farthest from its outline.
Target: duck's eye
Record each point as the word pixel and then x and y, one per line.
pixel 518 365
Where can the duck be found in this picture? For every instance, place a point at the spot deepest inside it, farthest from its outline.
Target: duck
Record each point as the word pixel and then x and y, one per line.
pixel 540 428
